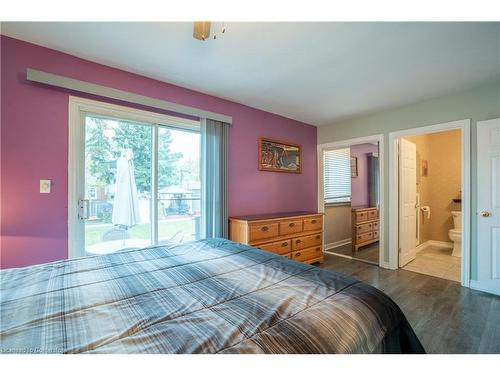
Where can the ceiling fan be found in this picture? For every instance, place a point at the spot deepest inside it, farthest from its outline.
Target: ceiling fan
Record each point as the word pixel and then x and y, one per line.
pixel 201 30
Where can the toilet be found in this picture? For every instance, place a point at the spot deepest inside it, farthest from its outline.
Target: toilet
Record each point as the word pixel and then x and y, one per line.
pixel 455 234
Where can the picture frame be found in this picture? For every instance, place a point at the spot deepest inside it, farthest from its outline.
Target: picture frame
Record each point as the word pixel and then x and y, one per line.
pixel 354 166
pixel 279 156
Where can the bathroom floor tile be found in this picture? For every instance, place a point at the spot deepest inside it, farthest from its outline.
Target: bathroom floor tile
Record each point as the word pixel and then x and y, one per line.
pixel 436 261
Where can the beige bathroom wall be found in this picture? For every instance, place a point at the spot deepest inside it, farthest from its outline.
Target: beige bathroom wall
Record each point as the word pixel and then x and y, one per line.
pixel 337 223
pixel 443 152
pixel 445 176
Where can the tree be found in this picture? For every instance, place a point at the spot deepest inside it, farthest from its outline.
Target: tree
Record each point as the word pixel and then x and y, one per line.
pixel 102 151
pixel 98 153
pixel 167 161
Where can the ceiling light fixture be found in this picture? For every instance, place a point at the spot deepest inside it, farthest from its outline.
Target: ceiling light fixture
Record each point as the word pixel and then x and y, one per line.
pixel 201 30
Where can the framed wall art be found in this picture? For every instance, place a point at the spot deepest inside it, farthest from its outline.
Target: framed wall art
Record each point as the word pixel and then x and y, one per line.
pixel 354 166
pixel 279 156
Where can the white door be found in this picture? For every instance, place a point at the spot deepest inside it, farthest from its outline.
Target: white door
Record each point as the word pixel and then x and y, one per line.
pixel 488 204
pixel 407 201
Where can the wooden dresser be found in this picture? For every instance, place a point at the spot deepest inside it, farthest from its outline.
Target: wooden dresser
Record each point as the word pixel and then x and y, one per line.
pixel 365 226
pixel 296 235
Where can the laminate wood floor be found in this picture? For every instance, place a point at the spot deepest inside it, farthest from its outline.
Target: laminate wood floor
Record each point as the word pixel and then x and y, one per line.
pixel 446 317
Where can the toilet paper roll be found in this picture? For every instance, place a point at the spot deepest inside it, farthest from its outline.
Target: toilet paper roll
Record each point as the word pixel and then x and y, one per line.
pixel 427 211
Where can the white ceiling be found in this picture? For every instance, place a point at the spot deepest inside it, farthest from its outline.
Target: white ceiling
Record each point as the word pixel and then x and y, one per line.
pixel 318 73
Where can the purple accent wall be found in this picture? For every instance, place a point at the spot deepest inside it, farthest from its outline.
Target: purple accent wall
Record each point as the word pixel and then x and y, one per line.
pixel 34 146
pixel 360 186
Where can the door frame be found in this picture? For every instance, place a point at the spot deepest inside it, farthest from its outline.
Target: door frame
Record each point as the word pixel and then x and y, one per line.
pixel 77 108
pixel 347 143
pixel 464 126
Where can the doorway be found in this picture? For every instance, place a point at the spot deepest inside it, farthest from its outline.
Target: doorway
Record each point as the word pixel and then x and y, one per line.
pixel 430 201
pixel 350 195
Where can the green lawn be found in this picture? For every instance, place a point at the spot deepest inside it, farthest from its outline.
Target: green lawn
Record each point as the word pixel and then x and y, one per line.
pixel 166 229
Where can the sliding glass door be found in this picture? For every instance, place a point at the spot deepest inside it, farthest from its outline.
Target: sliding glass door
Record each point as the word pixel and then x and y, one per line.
pixel 140 183
pixel 178 203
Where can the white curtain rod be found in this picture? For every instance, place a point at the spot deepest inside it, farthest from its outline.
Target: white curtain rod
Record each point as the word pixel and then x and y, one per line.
pixel 109 92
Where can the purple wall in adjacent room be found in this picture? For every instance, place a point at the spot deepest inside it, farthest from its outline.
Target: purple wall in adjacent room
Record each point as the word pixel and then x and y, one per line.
pixel 34 146
pixel 360 186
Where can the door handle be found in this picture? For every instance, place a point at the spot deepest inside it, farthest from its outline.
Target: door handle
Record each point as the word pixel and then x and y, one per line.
pixel 83 209
pixel 485 214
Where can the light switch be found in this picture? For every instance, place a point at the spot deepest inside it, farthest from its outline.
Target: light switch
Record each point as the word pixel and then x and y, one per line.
pixel 45 186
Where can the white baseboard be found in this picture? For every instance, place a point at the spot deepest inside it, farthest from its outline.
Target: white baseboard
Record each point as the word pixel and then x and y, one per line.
pixel 336 244
pixel 426 244
pixel 385 265
pixel 421 247
pixel 447 245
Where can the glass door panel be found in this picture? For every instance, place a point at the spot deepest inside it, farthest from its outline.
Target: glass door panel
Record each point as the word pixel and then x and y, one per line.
pixel 118 171
pixel 178 184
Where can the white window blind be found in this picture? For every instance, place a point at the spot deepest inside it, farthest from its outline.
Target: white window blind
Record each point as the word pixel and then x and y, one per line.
pixel 337 175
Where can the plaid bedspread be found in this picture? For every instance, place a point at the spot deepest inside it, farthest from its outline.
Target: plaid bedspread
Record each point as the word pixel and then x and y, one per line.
pixel 209 296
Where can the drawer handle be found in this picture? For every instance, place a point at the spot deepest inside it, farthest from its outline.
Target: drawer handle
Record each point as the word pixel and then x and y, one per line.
pixel 318 249
pixel 369 225
pixel 284 244
pixel 264 229
pixel 297 254
pixel 314 221
pixel 359 237
pixel 291 225
pixel 298 241
pixel 318 237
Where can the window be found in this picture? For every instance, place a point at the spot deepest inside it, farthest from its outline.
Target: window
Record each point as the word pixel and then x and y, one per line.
pixel 337 175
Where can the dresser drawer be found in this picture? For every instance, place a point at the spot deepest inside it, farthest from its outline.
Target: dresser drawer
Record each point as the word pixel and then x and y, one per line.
pixel 375 225
pixel 279 247
pixel 307 254
pixel 306 241
pixel 364 228
pixel 373 215
pixel 313 223
pixel 290 226
pixel 361 216
pixel 364 237
pixel 375 234
pixel 262 231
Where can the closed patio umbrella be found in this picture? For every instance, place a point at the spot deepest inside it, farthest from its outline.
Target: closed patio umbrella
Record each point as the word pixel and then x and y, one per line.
pixel 126 205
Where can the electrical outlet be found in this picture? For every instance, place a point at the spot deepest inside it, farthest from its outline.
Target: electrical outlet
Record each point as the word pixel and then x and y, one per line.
pixel 45 186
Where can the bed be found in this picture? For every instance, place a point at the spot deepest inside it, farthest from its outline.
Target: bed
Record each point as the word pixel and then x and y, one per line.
pixel 208 296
